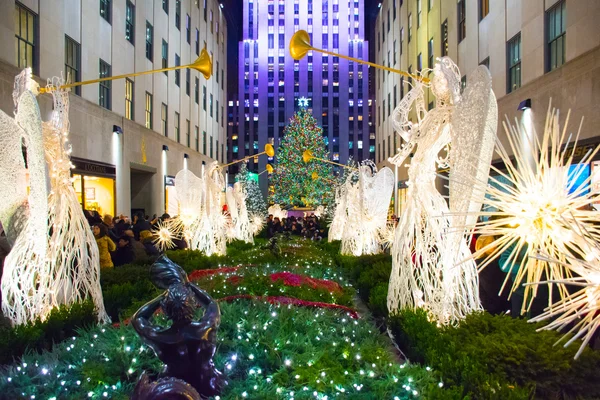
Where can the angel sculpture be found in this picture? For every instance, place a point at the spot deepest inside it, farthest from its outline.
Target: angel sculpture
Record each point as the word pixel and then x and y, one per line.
pixel 430 245
pixel 242 224
pixel 367 204
pixel 340 214
pixel 54 258
pixel 213 225
pixel 190 193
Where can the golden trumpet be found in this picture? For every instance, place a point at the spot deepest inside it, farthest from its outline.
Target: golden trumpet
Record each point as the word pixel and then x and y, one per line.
pixel 307 156
pixel 268 169
pixel 300 45
pixel 269 150
pixel 203 64
pixel 316 176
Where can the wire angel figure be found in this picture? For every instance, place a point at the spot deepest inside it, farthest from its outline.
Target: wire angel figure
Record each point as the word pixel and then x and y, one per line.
pixel 430 245
pixel 368 195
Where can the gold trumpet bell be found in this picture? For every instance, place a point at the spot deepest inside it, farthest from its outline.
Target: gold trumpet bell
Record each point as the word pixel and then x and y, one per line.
pixel 269 169
pixel 269 150
pixel 203 64
pixel 314 176
pixel 300 45
pixel 307 156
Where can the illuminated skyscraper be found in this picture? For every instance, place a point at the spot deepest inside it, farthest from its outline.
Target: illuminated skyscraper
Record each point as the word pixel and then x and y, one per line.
pixel 271 82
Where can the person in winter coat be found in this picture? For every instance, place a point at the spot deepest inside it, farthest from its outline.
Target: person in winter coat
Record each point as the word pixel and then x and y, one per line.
pixel 105 245
pixel 124 254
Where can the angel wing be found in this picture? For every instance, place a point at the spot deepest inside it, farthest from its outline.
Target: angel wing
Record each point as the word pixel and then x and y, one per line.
pixel 474 125
pixel 377 195
pixel 190 191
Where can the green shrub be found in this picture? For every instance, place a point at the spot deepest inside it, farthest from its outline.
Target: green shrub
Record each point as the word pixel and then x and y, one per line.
pixel 378 300
pixel 498 357
pixel 61 323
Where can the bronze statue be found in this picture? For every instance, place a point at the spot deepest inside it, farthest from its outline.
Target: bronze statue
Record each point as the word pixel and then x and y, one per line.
pixel 186 347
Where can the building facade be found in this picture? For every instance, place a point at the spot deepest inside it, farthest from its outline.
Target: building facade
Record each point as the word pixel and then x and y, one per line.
pixel 129 136
pixel 541 50
pixel 271 82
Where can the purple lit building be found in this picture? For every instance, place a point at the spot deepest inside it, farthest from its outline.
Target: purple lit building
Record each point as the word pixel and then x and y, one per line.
pixel 271 82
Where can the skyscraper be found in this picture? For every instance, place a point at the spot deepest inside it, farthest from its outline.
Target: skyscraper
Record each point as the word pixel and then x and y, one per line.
pixel 271 82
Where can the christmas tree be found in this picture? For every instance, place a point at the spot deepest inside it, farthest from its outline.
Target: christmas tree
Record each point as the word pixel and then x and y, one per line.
pixel 294 180
pixel 255 202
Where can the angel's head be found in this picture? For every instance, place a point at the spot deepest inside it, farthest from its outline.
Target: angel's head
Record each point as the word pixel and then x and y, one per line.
pixel 445 83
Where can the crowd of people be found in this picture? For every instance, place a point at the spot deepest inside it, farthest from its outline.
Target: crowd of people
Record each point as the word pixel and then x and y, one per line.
pixel 122 240
pixel 309 227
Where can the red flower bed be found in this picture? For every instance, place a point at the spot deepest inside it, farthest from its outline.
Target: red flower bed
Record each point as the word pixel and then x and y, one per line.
pixel 296 302
pixel 201 273
pixel 290 279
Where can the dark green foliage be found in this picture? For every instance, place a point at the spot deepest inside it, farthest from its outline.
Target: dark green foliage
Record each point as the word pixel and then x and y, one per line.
pixel 498 357
pixel 60 324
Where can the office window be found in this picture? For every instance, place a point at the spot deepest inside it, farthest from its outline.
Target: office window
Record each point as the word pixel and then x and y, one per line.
pixel 164 119
pixel 188 28
pixel 104 87
pixel 419 13
pixel 217 151
pixel 394 8
pixel 197 90
pixel 178 14
pixel 217 111
pixel 430 59
pixel 165 6
pixel 177 71
pixel 409 27
pixel 130 22
pixel 514 63
pixel 73 63
pixel 419 62
pixel 204 142
pixel 210 106
pixel 210 22
pixel 26 32
pixel 211 147
pixel 165 55
pixel 129 92
pixel 444 51
pixel 105 9
pixel 204 98
pixel 217 74
pixel 187 132
pixel 197 42
pixel 484 8
pixel 556 20
pixel 177 132
pixel 462 25
pixel 148 110
pixel 204 13
pixel 187 81
pixel 196 138
pixel 429 5
pixel 149 41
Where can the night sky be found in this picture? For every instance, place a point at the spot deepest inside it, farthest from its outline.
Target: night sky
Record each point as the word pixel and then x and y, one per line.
pixel 233 10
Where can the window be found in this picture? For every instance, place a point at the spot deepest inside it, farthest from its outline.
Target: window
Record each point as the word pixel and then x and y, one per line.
pixel 26 31
pixel 556 20
pixel 205 20
pixel 210 106
pixel 419 13
pixel 130 22
pixel 211 147
pixel 514 63
pixel 409 27
pixel 104 87
pixel 210 22
pixel 165 55
pixel 177 71
pixel 165 6
pixel 430 54
pixel 164 119
pixel 484 8
pixel 197 42
pixel 217 112
pixel 204 99
pixel 196 139
pixel 187 132
pixel 217 150
pixel 462 26
pixel 429 5
pixel 444 51
pixel 129 99
pixel 149 41
pixel 204 142
pixel 187 81
pixel 73 62
pixel 188 29
pixel 196 90
pixel 105 9
pixel 177 133
pixel 419 62
pixel 178 14
pixel 217 74
pixel 486 63
pixel 148 110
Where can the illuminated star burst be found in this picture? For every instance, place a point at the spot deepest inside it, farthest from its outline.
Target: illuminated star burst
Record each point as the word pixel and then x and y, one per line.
pixel 256 224
pixel 164 235
pixel 536 207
